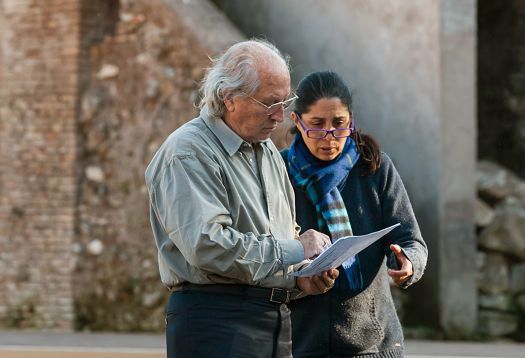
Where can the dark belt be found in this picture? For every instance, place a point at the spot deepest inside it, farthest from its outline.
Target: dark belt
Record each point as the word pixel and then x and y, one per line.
pixel 275 295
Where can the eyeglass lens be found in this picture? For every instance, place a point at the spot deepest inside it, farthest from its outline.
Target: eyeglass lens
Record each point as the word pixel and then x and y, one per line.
pixel 276 106
pixel 321 133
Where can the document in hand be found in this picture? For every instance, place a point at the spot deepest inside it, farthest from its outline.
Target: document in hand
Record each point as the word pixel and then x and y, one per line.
pixel 340 251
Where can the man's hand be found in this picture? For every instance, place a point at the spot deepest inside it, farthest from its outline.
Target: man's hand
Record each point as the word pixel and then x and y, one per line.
pixel 318 284
pixel 313 243
pixel 405 272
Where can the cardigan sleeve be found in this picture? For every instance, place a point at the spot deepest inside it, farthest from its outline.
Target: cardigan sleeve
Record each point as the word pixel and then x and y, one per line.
pixel 396 208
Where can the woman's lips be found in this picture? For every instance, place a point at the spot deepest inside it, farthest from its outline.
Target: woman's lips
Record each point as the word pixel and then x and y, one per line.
pixel 328 149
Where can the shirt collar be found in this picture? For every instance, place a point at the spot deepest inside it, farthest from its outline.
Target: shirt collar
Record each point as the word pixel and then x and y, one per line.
pixel 230 140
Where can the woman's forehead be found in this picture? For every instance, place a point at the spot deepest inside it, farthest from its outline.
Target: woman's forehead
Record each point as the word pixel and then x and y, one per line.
pixel 329 106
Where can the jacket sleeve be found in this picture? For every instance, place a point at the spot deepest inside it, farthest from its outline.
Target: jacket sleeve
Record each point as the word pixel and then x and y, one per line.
pixel 396 208
pixel 189 199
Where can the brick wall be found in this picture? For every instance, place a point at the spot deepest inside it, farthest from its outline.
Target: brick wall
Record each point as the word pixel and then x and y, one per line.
pixel 143 81
pixel 40 48
pixel 3 206
pixel 89 90
pixel 143 84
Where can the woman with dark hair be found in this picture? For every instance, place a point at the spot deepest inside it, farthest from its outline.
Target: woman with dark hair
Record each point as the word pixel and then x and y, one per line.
pixel 344 185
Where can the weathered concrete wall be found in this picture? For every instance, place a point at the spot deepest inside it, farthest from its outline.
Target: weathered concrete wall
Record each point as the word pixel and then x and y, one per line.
pixel 412 67
pixel 457 191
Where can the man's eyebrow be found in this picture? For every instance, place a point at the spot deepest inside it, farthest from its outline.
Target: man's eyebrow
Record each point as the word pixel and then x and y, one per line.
pixel 277 99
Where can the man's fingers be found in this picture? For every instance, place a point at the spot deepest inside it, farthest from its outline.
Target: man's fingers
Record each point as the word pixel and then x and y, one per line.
pixel 333 273
pixel 314 243
pixel 327 280
pixel 318 284
pixel 323 284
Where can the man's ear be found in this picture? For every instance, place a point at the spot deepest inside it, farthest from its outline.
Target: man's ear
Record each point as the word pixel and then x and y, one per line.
pixel 228 101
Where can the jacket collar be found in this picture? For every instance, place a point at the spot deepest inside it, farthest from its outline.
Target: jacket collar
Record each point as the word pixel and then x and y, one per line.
pixel 230 141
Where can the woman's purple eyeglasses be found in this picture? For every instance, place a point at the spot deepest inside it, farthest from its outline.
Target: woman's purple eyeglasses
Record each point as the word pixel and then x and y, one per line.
pixel 315 133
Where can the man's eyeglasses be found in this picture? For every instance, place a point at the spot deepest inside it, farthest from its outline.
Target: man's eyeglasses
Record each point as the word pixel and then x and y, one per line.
pixel 271 109
pixel 315 133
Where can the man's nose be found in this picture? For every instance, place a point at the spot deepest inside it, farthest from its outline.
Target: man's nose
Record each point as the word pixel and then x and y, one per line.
pixel 278 115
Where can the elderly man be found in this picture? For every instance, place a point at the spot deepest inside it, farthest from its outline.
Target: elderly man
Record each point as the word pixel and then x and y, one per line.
pixel 223 217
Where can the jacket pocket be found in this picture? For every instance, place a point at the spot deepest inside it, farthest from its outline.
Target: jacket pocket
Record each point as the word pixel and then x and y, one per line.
pixel 356 326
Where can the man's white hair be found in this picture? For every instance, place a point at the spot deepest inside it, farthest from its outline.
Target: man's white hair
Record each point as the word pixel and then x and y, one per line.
pixel 235 72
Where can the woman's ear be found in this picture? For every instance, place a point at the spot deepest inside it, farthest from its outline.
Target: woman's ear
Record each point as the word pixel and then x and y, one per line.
pixel 293 116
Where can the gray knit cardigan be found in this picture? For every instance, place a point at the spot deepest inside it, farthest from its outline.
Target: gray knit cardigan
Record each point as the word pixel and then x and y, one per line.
pixel 362 324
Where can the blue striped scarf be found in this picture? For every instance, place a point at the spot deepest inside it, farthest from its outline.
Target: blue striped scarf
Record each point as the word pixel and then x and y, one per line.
pixel 320 180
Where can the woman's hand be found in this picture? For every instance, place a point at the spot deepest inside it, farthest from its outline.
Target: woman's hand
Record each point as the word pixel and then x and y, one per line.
pixel 405 272
pixel 318 284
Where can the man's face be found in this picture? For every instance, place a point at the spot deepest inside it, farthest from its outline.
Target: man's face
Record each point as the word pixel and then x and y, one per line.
pixel 250 119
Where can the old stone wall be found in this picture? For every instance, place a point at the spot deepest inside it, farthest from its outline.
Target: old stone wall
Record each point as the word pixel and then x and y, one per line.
pixel 143 84
pixel 39 47
pixel 500 219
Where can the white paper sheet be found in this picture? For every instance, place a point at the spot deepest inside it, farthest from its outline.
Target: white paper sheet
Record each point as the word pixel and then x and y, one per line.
pixel 340 251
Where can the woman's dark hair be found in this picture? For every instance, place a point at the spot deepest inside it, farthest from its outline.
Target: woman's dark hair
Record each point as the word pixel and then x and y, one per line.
pixel 327 84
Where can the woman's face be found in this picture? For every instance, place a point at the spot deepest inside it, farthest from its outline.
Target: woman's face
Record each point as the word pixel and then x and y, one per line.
pixel 325 113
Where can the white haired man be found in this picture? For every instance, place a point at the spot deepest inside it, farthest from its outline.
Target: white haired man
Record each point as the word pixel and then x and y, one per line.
pixel 223 217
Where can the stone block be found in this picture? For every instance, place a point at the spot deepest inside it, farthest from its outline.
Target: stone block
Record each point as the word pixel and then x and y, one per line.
pixel 494 277
pixel 505 234
pixel 484 213
pixel 481 260
pixel 500 302
pixel 494 182
pixel 517 275
pixel 497 324
pixel 520 302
